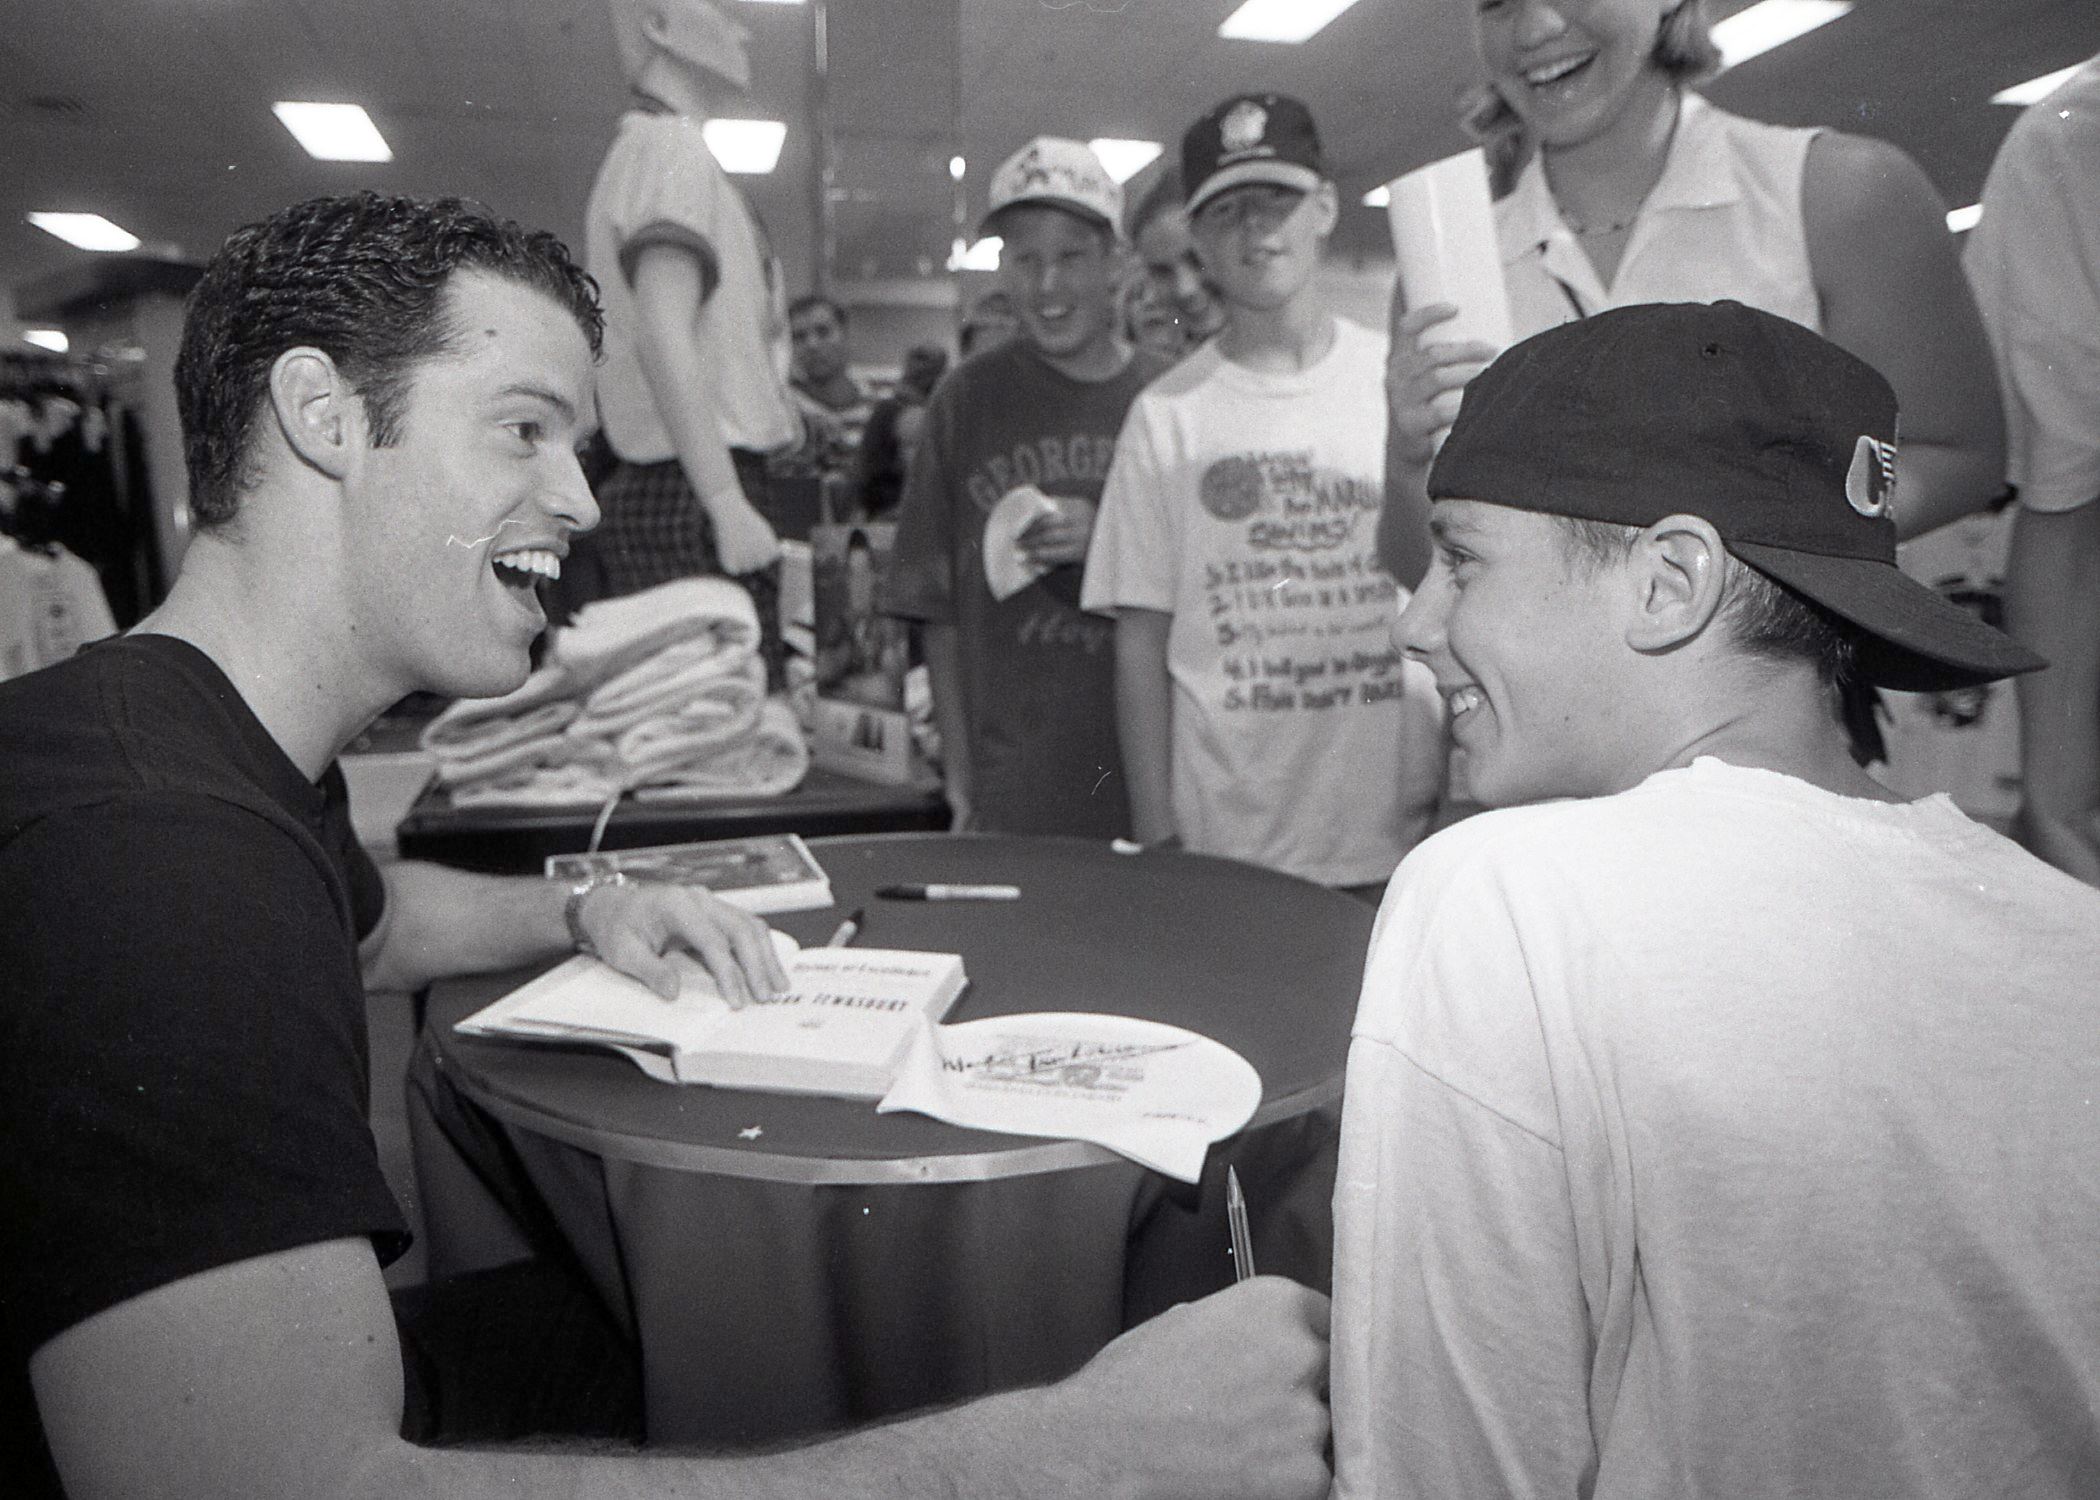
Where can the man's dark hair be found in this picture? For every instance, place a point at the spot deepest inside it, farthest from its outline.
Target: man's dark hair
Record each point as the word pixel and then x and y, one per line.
pixel 809 300
pixel 361 278
pixel 1766 619
pixel 1166 192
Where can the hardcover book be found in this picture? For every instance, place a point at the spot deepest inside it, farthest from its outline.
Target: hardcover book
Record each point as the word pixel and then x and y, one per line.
pixel 767 873
pixel 842 1028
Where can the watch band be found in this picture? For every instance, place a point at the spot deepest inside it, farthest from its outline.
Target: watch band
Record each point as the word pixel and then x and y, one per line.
pixel 572 909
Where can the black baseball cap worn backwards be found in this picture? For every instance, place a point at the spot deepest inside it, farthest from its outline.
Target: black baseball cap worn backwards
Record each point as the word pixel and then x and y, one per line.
pixel 1780 439
pixel 1251 138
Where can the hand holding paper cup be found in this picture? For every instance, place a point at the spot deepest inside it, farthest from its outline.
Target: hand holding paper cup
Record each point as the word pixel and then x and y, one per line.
pixel 1008 567
pixel 1443 227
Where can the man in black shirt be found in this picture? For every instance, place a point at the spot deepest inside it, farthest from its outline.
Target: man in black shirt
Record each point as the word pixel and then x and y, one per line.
pixel 381 402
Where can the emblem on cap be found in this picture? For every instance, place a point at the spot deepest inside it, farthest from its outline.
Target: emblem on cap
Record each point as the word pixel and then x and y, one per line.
pixel 1242 127
pixel 1870 484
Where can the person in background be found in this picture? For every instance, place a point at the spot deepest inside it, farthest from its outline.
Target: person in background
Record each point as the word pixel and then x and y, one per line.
pixel 688 390
pixel 1264 713
pixel 1689 1146
pixel 892 432
pixel 1024 683
pixel 992 321
pixel 2034 260
pixel 1179 289
pixel 381 401
pixel 833 406
pixel 1627 187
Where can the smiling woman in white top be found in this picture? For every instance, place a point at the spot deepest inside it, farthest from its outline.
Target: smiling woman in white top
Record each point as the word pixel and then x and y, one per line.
pixel 1629 188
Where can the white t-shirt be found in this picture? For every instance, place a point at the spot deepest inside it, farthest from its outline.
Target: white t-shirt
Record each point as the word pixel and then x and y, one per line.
pixel 51 604
pixel 2034 261
pixel 659 184
pixel 1723 1137
pixel 1244 504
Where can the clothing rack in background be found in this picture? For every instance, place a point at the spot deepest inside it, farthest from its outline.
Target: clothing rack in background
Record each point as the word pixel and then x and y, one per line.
pixel 72 473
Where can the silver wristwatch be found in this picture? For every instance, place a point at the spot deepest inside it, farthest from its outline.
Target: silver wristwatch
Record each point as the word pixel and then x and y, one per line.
pixel 572 909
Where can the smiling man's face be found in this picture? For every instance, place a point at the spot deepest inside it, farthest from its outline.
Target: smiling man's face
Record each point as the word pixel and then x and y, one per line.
pixel 1059 271
pixel 1529 650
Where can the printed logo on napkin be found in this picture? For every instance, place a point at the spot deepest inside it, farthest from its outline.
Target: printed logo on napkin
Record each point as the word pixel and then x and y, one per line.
pixel 1154 1093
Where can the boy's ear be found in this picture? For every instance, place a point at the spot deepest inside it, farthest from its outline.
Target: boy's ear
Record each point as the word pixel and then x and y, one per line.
pixel 317 411
pixel 1678 572
pixel 1330 207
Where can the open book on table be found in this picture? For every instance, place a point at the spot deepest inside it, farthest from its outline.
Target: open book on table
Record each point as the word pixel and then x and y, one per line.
pixel 842 1028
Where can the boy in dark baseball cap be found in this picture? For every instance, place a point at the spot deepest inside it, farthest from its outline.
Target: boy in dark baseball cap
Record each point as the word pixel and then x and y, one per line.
pixel 1263 711
pixel 1709 1109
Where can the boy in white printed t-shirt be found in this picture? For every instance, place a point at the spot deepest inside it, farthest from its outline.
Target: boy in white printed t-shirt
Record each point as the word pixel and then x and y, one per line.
pixel 1263 711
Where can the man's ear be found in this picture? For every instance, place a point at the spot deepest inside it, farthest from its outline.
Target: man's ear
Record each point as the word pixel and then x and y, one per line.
pixel 318 413
pixel 1679 571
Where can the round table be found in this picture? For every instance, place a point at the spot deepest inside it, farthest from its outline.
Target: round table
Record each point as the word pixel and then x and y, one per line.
pixel 791 1265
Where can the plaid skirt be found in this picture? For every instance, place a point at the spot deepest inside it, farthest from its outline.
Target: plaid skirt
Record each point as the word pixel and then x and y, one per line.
pixel 655 529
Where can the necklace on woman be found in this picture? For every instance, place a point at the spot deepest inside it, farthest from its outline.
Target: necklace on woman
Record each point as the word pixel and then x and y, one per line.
pixel 1596 231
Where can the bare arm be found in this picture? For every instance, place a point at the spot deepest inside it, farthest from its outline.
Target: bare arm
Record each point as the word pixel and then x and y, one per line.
pixel 951 714
pixel 2052 602
pixel 282 1376
pixel 1145 720
pixel 440 922
pixel 1892 292
pixel 669 289
pixel 1424 381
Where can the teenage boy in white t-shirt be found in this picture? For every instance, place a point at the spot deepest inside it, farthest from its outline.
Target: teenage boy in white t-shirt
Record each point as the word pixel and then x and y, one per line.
pixel 1262 708
pixel 1716 1123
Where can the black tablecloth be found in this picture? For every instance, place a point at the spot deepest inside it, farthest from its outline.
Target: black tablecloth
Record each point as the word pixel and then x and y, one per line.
pixel 792 1265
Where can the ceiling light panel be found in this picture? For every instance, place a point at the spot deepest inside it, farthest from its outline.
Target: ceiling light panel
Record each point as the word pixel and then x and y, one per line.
pixel 1281 20
pixel 333 132
pixel 1772 23
pixel 1960 219
pixel 1379 197
pixel 2034 90
pixel 88 231
pixel 1124 159
pixel 53 339
pixel 749 147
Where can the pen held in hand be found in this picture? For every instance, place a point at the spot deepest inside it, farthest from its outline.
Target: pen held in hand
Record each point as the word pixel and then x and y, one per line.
pixel 1236 1220
pixel 949 893
pixel 848 930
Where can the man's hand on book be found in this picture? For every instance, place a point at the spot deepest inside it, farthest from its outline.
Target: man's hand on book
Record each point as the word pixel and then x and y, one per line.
pixel 634 925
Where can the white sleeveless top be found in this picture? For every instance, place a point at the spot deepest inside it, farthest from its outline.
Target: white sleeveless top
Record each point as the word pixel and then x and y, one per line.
pixel 1723 221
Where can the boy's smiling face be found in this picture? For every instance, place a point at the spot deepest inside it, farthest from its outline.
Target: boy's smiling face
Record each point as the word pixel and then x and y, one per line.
pixel 1529 650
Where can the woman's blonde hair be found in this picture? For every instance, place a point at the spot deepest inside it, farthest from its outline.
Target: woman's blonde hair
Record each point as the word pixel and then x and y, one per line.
pixel 1684 49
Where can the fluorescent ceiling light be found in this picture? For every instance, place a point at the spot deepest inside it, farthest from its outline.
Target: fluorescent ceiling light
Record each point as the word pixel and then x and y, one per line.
pixel 1281 20
pixel 2036 88
pixel 956 167
pixel 982 256
pixel 1772 23
pixel 333 132
pixel 88 231
pixel 53 339
pixel 1124 159
pixel 1960 219
pixel 751 147
pixel 1379 197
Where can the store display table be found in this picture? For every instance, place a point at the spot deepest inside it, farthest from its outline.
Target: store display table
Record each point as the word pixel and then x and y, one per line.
pixel 792 1265
pixel 516 840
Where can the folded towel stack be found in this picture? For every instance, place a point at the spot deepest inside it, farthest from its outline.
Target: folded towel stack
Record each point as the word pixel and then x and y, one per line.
pixel 660 693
